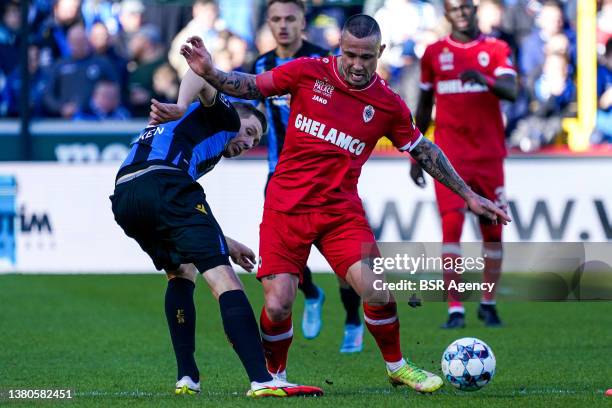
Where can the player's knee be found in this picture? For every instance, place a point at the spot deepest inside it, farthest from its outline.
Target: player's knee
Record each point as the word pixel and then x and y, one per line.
pixel 184 271
pixel 278 308
pixel 222 279
pixel 376 296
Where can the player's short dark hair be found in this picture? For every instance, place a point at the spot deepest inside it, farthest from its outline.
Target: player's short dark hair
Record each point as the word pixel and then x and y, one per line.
pixel 362 26
pixel 246 109
pixel 206 2
pixel 498 3
pixel 552 3
pixel 298 3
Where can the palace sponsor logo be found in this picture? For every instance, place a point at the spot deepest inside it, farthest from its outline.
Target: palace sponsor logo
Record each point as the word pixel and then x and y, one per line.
pixel 368 113
pixel 446 60
pixel 323 88
pixel 331 135
pixel 455 86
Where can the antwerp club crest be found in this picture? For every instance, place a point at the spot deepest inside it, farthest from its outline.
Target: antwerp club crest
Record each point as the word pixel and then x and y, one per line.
pixel 368 113
pixel 483 58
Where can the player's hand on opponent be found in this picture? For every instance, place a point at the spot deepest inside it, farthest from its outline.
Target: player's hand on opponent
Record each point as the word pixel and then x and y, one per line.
pixel 165 112
pixel 472 75
pixel 197 56
pixel 241 254
pixel 417 175
pixel 485 208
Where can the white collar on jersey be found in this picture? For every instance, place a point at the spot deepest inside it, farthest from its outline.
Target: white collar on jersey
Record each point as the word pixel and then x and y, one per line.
pixel 470 44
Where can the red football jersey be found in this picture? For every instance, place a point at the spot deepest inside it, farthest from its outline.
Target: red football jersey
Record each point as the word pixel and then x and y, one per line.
pixel 468 122
pixel 331 132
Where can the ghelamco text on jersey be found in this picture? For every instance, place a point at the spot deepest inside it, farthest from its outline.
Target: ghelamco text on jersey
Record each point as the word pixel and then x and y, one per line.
pixel 332 135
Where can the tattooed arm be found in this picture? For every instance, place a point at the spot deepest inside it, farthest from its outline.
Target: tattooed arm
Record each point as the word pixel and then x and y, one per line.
pixel 423 120
pixel 429 156
pixel 434 161
pixel 236 84
pixel 233 83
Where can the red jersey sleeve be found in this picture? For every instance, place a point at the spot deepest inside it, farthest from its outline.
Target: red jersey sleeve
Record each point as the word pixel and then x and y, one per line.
pixel 282 79
pixel 404 133
pixel 503 60
pixel 427 70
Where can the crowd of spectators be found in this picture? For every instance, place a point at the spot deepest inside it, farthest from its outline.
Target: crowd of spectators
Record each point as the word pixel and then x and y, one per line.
pixel 106 59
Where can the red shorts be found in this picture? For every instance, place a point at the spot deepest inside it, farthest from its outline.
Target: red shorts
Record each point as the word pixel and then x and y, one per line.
pixel 486 178
pixel 285 240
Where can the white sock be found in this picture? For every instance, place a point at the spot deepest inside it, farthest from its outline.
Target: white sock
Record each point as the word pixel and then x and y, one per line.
pixel 487 302
pixel 394 366
pixel 276 379
pixel 456 309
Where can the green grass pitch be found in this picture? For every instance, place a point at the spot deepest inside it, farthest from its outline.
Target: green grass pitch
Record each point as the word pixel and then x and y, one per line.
pixel 105 338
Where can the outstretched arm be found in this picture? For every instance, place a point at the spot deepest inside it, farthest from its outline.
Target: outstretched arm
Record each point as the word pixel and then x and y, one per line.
pixel 191 86
pixel 434 161
pixel 233 83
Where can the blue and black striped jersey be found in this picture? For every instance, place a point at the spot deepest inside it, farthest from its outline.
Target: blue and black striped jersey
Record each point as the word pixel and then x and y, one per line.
pixel 194 143
pixel 277 107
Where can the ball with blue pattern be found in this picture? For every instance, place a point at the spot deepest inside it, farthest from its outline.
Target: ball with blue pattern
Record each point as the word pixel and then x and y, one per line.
pixel 468 364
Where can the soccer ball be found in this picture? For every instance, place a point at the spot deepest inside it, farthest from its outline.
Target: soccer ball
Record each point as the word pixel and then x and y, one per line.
pixel 468 364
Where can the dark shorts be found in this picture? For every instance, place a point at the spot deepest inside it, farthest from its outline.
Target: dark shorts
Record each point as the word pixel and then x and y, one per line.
pixel 166 212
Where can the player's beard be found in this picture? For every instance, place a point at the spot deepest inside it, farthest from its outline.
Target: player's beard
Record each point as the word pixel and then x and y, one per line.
pixel 347 76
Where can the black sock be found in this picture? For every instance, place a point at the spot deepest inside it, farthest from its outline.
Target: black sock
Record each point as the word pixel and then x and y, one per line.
pixel 351 302
pixel 307 287
pixel 181 316
pixel 242 331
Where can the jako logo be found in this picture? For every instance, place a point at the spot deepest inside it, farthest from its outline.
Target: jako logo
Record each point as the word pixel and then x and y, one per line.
pixel 340 139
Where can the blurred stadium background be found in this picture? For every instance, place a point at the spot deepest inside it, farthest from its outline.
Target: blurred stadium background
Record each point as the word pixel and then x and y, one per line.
pixel 63 132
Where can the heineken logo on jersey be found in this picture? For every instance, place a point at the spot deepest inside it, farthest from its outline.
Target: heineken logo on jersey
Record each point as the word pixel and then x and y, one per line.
pixel 368 113
pixel 483 58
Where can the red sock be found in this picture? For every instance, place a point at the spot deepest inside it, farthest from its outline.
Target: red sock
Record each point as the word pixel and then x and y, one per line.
pixel 450 254
pixel 276 338
pixel 493 253
pixel 452 226
pixel 383 324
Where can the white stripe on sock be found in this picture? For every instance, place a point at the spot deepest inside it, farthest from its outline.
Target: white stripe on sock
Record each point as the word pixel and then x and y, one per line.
pixel 493 253
pixel 278 337
pixel 453 249
pixel 456 309
pixel 380 322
